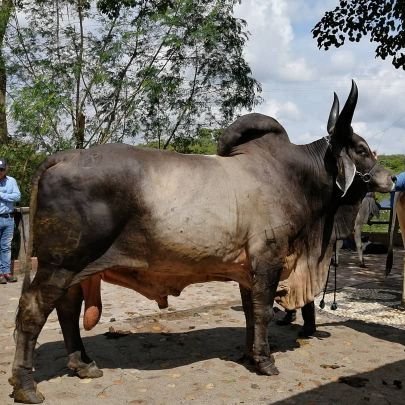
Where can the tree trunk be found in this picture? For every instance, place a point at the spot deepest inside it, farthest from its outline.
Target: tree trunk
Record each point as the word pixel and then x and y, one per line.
pixel 81 123
pixel 5 12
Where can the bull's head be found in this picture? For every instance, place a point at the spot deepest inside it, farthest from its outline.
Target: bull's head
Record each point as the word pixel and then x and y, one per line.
pixel 353 155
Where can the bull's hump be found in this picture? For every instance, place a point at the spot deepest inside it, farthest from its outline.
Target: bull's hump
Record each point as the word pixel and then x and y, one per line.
pixel 247 128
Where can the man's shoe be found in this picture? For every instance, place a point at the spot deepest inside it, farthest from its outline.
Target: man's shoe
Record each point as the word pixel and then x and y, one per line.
pixel 3 279
pixel 10 278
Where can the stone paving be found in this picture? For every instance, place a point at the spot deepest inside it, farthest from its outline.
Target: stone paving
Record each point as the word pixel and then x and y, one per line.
pixel 191 352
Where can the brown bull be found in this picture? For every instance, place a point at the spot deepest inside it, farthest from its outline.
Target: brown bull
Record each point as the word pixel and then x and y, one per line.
pixel 263 212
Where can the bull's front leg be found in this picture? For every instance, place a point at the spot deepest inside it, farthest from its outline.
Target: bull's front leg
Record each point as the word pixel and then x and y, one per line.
pixel 265 281
pixel 35 305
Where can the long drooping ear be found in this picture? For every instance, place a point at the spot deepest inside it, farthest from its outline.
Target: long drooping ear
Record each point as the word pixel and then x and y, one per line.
pixel 346 170
pixel 341 134
pixel 334 114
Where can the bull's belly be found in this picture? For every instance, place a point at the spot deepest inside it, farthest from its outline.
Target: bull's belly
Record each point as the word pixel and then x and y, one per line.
pixel 158 279
pixel 169 278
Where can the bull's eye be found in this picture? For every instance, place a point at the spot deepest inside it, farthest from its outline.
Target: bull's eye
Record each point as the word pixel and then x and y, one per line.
pixel 362 152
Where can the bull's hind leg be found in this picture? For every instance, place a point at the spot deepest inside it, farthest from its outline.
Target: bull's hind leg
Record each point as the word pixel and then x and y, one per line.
pixel 247 304
pixel 359 245
pixel 35 305
pixel 68 309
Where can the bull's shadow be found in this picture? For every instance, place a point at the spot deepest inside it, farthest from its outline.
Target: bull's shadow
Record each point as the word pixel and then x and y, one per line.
pixel 155 351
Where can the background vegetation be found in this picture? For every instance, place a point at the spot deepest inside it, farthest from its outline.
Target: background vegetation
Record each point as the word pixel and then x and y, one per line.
pixel 86 72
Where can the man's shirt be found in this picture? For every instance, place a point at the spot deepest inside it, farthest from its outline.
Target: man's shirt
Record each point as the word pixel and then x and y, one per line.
pixel 400 183
pixel 9 194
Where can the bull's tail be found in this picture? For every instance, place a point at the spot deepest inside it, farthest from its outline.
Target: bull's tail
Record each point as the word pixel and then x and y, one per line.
pixel 27 265
pixel 390 255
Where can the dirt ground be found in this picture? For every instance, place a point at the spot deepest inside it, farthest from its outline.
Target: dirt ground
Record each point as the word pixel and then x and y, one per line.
pixel 191 353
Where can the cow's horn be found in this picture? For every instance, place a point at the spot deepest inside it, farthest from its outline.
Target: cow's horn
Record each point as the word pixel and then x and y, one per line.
pixel 345 117
pixel 334 114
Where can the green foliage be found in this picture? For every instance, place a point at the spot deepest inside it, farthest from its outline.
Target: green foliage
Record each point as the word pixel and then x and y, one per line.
pixel 37 108
pixel 395 163
pixel 204 143
pixel 382 20
pixel 124 70
pixel 23 161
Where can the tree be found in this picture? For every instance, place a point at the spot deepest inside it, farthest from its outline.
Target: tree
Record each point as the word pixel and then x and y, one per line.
pixel 24 160
pixel 383 20
pixel 87 72
pixel 6 9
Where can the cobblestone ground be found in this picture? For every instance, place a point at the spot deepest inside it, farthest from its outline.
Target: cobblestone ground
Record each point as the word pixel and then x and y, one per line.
pixel 191 352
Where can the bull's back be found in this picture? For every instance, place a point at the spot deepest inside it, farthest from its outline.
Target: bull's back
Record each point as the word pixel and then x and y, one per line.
pixel 140 201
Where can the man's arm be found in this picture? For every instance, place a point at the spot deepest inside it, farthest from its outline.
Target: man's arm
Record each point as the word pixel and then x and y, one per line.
pixel 14 195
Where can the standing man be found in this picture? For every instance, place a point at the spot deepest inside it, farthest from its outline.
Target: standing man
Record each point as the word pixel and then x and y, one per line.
pixel 9 194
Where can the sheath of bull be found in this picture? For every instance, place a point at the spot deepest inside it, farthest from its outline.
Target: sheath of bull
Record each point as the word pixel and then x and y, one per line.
pixel 92 301
pixel 390 255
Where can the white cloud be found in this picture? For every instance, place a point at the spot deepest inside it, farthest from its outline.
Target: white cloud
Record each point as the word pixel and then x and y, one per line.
pixel 298 79
pixel 342 61
pixel 280 110
pixel 272 36
pixel 296 70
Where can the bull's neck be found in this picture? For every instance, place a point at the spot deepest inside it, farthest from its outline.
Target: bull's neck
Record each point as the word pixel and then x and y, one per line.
pixel 317 171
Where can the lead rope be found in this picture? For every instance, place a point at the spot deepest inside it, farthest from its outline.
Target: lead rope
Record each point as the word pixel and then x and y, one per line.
pixel 333 307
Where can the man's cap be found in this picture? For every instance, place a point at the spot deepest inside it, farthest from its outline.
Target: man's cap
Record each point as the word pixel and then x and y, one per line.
pixel 3 163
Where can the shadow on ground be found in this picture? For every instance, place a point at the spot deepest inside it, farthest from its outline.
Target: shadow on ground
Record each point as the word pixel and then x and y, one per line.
pixel 384 385
pixel 383 332
pixel 156 351
pixel 148 350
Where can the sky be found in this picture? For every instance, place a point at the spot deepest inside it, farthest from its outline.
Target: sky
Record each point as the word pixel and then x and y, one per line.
pixel 298 79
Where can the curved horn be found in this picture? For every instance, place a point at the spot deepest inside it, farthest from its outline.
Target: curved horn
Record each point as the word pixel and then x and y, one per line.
pixel 334 113
pixel 345 117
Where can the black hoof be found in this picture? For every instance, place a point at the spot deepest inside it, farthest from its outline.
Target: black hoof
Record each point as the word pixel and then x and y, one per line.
pixel 27 396
pixel 306 332
pixel 24 388
pixel 89 371
pixel 82 369
pixel 266 366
